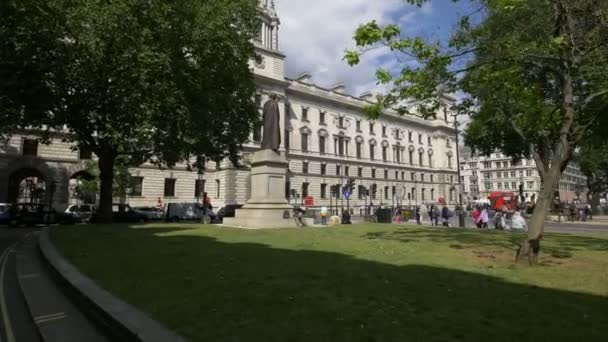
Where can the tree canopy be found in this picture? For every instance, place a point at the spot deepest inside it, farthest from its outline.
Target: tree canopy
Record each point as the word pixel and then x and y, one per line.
pixel 532 75
pixel 158 81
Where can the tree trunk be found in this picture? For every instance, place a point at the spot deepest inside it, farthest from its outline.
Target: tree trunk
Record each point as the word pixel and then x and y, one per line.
pixel 530 248
pixel 106 177
pixel 595 203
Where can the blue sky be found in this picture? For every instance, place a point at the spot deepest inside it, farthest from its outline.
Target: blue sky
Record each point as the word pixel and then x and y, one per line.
pixel 315 33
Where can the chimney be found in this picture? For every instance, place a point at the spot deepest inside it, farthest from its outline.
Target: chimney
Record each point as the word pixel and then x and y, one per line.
pixel 339 88
pixel 304 77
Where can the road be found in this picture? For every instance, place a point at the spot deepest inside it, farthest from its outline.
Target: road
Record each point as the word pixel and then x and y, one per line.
pixel 565 227
pixel 16 324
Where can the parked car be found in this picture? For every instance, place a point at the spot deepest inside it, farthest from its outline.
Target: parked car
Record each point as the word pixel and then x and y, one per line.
pixel 152 213
pixel 227 211
pixel 126 215
pixel 5 215
pixel 184 212
pixel 81 213
pixel 32 214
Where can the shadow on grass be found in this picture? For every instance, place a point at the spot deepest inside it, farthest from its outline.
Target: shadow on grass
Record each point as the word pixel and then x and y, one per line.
pixel 209 290
pixel 555 244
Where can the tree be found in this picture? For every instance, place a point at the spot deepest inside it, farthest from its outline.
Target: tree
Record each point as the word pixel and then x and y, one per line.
pixel 148 81
pixel 533 84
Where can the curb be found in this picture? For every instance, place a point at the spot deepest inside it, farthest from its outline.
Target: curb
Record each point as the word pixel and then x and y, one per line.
pixel 132 323
pixel 20 283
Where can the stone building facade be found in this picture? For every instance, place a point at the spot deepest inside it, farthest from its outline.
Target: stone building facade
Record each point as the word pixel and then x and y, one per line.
pixel 482 175
pixel 326 138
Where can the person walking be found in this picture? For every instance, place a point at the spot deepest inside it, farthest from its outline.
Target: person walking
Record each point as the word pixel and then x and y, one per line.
pixel 424 213
pixel 483 219
pixel 418 221
pixel 445 216
pixel 324 215
pixel 434 216
pixel 476 214
pixel 588 212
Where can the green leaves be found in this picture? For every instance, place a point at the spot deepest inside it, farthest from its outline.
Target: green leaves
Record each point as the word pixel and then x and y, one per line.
pixel 352 57
pixel 163 80
pixel 384 76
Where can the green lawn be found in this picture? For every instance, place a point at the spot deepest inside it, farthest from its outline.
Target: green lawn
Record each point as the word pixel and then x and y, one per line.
pixel 357 283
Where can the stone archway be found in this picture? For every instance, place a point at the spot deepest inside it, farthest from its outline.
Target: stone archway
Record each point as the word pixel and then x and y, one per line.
pixel 27 185
pixel 82 188
pixel 23 176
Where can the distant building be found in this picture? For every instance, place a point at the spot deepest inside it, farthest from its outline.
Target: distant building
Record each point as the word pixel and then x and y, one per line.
pixel 482 175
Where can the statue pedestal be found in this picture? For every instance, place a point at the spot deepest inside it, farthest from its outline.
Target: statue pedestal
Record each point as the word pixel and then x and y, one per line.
pixel 267 207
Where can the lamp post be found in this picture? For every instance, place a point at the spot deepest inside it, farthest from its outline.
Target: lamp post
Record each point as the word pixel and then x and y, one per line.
pixel 415 194
pixel 460 211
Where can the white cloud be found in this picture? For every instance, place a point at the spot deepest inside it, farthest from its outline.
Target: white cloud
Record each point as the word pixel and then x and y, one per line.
pixel 315 33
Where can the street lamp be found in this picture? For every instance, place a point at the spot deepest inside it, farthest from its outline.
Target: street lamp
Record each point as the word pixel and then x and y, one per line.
pixel 460 211
pixel 415 194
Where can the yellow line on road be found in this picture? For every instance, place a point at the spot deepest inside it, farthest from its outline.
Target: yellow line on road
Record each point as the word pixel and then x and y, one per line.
pixel 50 317
pixel 29 276
pixel 8 330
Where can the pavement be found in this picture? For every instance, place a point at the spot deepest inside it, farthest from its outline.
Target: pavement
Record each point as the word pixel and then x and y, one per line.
pixel 34 306
pixel 16 323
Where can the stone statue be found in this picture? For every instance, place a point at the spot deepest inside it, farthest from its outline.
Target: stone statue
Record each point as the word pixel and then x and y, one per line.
pixel 271 138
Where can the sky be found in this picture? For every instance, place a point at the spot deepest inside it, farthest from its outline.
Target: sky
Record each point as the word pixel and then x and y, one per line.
pixel 315 33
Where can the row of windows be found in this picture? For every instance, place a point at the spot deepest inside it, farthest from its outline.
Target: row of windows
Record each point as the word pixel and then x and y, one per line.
pixel 371 125
pixel 341 148
pixel 30 148
pixel 507 174
pixel 136 185
pixel 509 186
pixel 501 164
pixel 387 193
pixel 397 175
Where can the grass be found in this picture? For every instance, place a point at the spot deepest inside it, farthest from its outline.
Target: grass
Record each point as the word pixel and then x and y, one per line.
pixel 357 283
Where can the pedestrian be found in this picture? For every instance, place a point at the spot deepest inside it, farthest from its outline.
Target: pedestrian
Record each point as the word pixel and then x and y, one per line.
pixel 518 223
pixel 434 216
pixel 298 215
pixel 572 212
pixel 500 219
pixel 588 212
pixel 324 215
pixel 424 213
pixel 476 214
pixel 397 216
pixel 483 219
pixel 445 216
pixel 418 221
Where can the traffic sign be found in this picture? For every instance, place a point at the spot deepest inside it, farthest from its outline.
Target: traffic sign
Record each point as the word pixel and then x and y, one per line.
pixel 347 194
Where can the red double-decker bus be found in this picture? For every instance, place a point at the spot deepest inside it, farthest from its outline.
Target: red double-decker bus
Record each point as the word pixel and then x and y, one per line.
pixel 503 199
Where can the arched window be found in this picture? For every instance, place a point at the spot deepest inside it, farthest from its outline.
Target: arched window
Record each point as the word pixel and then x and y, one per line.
pixel 372 149
pixel 411 153
pixel 304 133
pixel 323 140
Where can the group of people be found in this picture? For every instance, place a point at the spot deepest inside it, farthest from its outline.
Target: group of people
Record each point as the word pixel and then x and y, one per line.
pixel 578 213
pixel 482 218
pixel 430 214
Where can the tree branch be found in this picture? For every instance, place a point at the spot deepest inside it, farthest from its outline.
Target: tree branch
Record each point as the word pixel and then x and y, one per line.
pixel 592 97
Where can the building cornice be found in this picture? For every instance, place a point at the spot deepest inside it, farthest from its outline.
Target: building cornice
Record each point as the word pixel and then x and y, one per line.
pixel 345 101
